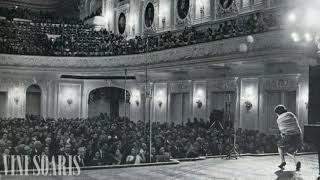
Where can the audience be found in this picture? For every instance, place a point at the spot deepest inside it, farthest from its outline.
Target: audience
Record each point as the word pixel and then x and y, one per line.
pixel 75 39
pixel 36 16
pixel 106 140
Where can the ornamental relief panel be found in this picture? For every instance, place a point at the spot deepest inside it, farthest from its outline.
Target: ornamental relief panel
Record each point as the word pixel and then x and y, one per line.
pixel 122 19
pixel 227 8
pixel 281 84
pixel 180 87
pixel 184 12
pixel 221 85
pixel 150 16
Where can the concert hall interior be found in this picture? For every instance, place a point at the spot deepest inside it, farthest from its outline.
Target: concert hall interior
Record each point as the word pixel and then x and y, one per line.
pixel 116 84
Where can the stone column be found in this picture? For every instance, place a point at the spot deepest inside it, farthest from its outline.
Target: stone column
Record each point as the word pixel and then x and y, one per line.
pixel 108 14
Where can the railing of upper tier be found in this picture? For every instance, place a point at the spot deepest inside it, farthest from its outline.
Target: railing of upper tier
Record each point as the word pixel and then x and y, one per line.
pixel 77 40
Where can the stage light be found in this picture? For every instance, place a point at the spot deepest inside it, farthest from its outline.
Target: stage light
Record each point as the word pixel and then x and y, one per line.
pixel 243 48
pixel 308 37
pixel 250 39
pixel 292 17
pixel 295 36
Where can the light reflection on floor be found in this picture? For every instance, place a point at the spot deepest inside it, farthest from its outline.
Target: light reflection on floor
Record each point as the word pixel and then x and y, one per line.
pixel 245 168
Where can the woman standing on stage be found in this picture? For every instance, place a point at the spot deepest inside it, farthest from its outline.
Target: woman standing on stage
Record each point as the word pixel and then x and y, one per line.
pixel 291 139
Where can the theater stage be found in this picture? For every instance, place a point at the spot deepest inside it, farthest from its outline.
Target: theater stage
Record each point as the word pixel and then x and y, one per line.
pixel 245 168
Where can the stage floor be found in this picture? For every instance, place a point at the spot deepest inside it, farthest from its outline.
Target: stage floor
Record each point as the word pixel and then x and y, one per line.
pixel 245 168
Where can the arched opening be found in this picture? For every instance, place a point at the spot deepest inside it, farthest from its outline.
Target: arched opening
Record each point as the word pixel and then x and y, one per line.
pixel 110 100
pixel 33 100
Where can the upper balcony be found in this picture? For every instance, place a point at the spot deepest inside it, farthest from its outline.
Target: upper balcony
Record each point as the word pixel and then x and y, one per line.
pixel 77 48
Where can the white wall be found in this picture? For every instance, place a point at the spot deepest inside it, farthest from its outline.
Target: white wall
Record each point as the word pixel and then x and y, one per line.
pixel 249 93
pixel 54 95
pixel 160 97
pixel 69 102
pixel 200 95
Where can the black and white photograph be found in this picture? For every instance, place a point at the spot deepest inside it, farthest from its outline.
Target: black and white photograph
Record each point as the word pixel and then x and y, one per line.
pixel 144 90
pixel 149 15
pixel 183 8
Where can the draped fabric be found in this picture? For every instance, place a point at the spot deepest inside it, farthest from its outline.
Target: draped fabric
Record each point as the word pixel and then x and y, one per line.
pixel 3 104
pixel 274 98
pixel 179 107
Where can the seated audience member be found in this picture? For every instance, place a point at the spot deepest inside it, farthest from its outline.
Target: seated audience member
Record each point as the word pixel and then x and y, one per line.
pixel 96 160
pixel 131 158
pixel 118 140
pixel 163 156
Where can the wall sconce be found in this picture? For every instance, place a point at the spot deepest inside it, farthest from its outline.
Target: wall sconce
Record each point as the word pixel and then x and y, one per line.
pixel 159 104
pixel 135 97
pixel 199 104
pixel 163 22
pixel 202 11
pixel 133 28
pixel 16 99
pixel 137 102
pixel 69 101
pixel 248 105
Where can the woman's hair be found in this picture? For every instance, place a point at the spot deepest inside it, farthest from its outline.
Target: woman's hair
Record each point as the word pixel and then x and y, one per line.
pixel 280 109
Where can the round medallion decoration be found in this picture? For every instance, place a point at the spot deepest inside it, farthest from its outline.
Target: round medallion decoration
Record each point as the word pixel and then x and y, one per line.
pixel 122 23
pixel 183 8
pixel 149 15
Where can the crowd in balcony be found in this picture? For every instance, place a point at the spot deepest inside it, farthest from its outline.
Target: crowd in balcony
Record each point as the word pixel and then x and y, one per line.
pixel 98 12
pixel 79 40
pixel 37 16
pixel 106 140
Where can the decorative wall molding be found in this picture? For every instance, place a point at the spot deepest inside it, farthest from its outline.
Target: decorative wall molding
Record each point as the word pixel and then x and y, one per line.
pixel 275 40
pixel 187 21
pixel 180 87
pixel 283 83
pixel 221 85
pixel 125 9
pixel 155 25
pixel 232 10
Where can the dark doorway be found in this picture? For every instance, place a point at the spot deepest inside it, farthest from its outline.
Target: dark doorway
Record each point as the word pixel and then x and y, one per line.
pixel 33 100
pixel 108 100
